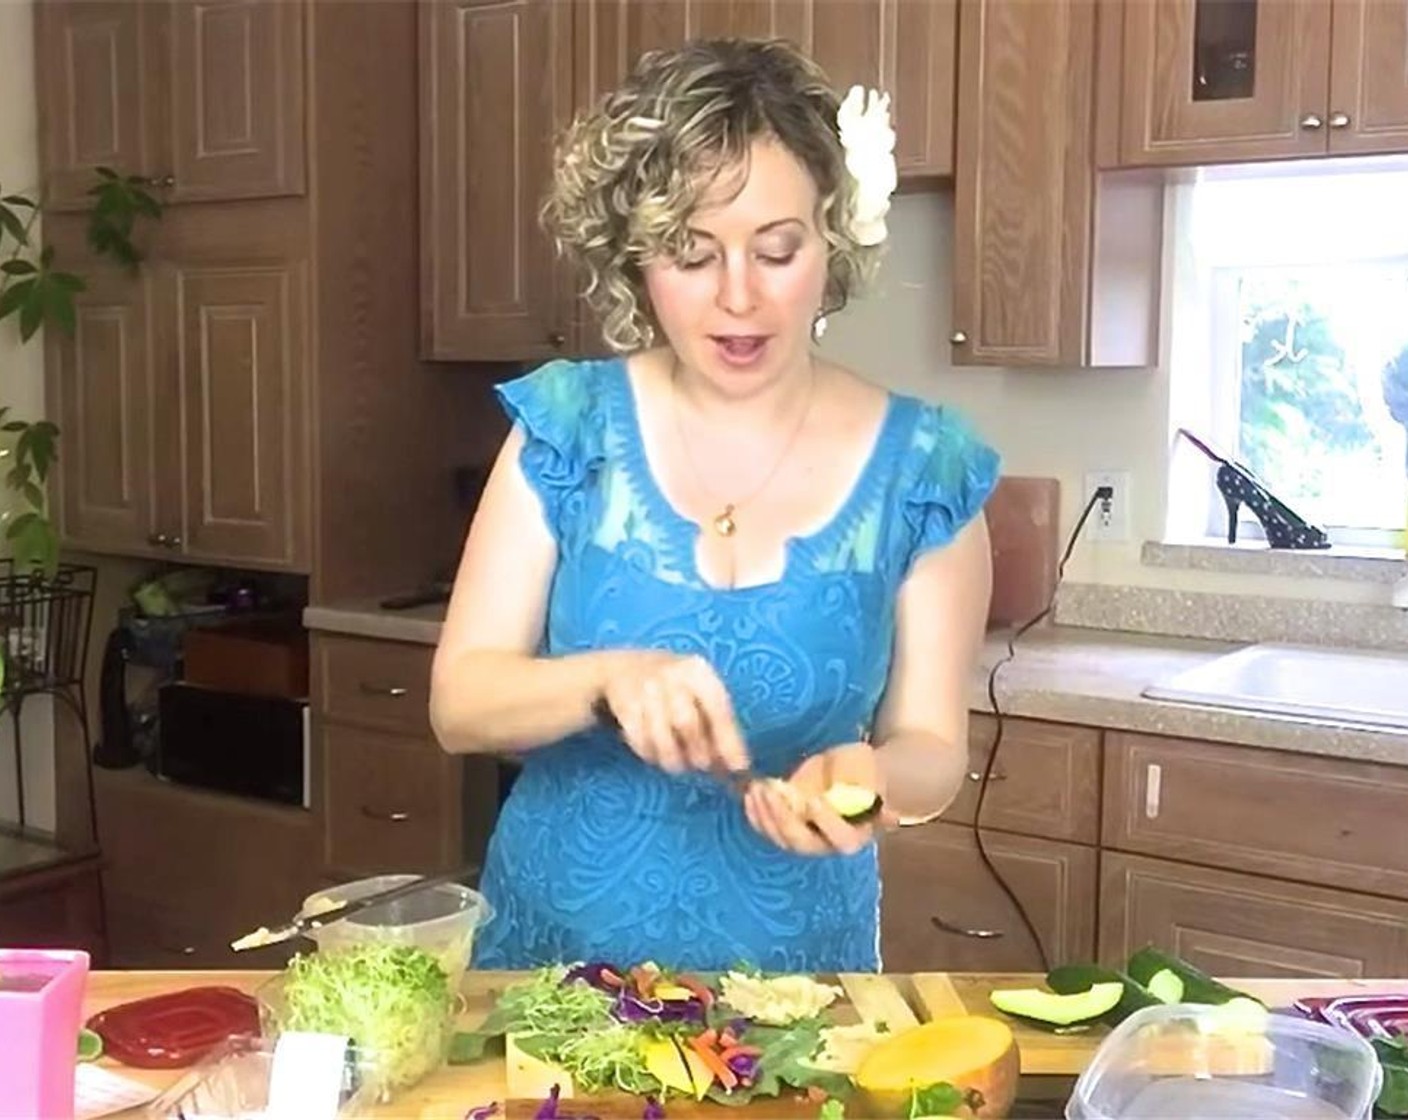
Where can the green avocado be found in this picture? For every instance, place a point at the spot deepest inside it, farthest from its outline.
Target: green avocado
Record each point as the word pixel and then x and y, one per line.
pixel 1198 986
pixel 1166 985
pixel 1057 1010
pixel 853 804
pixel 1070 979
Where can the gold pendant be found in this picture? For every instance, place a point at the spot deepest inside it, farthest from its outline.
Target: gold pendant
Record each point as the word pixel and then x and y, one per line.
pixel 724 523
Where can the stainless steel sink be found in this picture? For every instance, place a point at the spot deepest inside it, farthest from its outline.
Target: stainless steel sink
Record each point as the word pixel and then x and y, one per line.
pixel 1366 687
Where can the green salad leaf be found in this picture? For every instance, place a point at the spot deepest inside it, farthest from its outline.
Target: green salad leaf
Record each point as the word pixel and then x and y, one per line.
pixel 783 1063
pixel 1393 1057
pixel 393 1000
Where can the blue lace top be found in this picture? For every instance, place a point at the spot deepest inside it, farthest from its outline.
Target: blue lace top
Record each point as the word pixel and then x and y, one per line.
pixel 597 855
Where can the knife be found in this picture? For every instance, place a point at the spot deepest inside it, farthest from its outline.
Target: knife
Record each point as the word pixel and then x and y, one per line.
pixel 304 923
pixel 739 779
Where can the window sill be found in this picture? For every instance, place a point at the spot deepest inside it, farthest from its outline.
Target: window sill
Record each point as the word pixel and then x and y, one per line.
pixel 1352 563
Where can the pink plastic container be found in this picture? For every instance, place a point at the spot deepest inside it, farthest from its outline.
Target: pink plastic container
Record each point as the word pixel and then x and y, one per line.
pixel 41 1010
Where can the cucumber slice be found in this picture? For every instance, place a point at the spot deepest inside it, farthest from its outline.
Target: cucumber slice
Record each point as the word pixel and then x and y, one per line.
pixel 90 1045
pixel 1198 986
pixel 1056 1010
pixel 853 804
pixel 1166 985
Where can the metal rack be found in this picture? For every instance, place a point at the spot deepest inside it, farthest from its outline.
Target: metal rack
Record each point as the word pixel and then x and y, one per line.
pixel 45 623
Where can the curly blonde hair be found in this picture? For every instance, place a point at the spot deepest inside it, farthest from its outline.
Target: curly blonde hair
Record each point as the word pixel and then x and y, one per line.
pixel 630 173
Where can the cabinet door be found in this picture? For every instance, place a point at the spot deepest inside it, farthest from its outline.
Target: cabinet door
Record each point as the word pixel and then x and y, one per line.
pixel 1224 80
pixel 1023 185
pixel 938 896
pixel 236 108
pixel 1369 77
pixel 240 353
pixel 495 85
pixel 99 388
pixel 1241 925
pixel 93 71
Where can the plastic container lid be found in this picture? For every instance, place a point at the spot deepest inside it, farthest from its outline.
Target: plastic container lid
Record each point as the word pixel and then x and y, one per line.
pixel 175 1030
pixel 1217 1063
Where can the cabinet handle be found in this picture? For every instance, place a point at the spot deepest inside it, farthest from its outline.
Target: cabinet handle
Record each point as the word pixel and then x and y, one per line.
pixel 159 540
pixel 1311 121
pixel 557 339
pixel 167 181
pixel 173 542
pixel 998 775
pixel 958 338
pixel 1339 120
pixel 394 816
pixel 963 931
pixel 389 691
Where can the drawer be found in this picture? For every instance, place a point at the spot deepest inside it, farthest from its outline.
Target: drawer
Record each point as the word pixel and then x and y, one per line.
pixel 935 887
pixel 1232 924
pixel 374 683
pixel 390 804
pixel 1046 781
pixel 1313 820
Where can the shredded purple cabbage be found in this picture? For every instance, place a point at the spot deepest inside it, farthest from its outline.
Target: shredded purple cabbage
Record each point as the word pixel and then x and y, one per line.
pixel 630 1008
pixel 591 974
pixel 654 1110
pixel 483 1112
pixel 550 1109
pixel 745 1066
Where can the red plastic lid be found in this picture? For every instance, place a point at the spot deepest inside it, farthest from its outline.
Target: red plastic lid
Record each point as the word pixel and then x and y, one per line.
pixel 175 1030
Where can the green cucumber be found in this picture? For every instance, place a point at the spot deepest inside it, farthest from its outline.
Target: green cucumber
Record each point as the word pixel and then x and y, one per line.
pixel 1069 979
pixel 1198 986
pixel 1055 1010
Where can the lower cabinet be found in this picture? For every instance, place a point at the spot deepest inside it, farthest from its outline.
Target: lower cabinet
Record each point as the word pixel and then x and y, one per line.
pixel 1233 924
pixel 942 910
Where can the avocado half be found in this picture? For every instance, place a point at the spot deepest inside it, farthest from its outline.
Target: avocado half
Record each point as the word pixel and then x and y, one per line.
pixel 853 804
pixel 1059 1010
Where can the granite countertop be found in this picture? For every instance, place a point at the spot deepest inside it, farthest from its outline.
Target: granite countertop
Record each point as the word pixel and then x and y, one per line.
pixel 1062 673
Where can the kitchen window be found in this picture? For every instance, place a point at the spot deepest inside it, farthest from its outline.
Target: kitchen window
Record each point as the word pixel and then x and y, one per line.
pixel 1300 286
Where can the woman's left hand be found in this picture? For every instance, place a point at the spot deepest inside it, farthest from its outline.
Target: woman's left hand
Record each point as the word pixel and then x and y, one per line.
pixel 795 815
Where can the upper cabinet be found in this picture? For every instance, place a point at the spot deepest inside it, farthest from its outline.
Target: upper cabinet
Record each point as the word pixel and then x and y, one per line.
pixel 1052 265
pixel 205 97
pixel 1213 81
pixel 500 77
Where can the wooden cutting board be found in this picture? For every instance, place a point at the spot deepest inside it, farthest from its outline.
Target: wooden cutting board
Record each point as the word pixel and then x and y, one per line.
pixel 868 999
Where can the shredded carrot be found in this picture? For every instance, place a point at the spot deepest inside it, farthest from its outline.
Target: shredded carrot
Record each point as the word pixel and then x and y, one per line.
pixel 708 1037
pixel 738 1050
pixel 717 1066
pixel 610 979
pixel 817 1095
pixel 696 989
pixel 644 981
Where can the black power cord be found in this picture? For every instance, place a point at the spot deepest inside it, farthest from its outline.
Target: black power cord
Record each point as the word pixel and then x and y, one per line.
pixel 1101 494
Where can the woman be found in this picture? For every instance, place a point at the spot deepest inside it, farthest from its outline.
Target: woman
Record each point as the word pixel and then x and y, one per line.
pixel 747 556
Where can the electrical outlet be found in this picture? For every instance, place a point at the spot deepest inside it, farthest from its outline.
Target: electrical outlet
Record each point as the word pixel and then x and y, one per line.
pixel 1108 521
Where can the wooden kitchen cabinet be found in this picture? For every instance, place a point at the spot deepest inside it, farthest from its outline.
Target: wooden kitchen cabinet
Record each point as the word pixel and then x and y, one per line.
pixel 1315 820
pixel 938 898
pixel 181 399
pixel 204 97
pixel 500 78
pixel 1219 81
pixel 1231 924
pixel 99 388
pixel 1052 264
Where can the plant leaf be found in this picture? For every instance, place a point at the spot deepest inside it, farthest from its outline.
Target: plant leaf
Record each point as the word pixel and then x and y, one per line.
pixel 14 297
pixel 32 312
pixel 33 495
pixel 10 223
pixel 69 281
pixel 18 267
pixel 19 524
pixel 58 304
pixel 14 425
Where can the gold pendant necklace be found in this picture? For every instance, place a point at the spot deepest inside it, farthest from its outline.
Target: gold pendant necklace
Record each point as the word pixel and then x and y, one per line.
pixel 724 522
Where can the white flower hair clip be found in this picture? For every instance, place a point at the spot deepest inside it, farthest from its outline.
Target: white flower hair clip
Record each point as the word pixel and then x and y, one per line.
pixel 869 144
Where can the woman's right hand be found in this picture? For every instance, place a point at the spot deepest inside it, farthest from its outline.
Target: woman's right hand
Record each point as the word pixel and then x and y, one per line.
pixel 674 712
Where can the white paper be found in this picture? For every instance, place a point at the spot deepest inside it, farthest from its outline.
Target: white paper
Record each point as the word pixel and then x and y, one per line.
pixel 100 1092
pixel 306 1080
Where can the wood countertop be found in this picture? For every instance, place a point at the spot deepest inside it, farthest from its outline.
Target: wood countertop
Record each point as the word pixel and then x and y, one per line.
pixel 449 1093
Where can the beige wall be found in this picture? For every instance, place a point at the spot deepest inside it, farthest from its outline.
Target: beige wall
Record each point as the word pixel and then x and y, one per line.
pixel 22 382
pixel 1051 423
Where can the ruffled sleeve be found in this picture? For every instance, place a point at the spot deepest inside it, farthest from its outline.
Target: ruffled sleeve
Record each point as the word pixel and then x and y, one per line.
pixel 951 472
pixel 557 407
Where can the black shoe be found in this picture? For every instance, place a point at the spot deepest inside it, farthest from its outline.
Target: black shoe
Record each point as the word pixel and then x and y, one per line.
pixel 1237 484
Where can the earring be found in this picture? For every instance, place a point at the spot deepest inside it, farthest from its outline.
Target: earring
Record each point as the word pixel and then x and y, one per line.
pixel 818 327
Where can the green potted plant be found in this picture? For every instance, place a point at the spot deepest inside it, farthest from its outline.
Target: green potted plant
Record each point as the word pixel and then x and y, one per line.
pixel 36 292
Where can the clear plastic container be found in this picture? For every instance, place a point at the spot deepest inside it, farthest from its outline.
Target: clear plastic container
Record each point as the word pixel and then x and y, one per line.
pixel 441 919
pixel 1194 1060
pixel 232 1083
